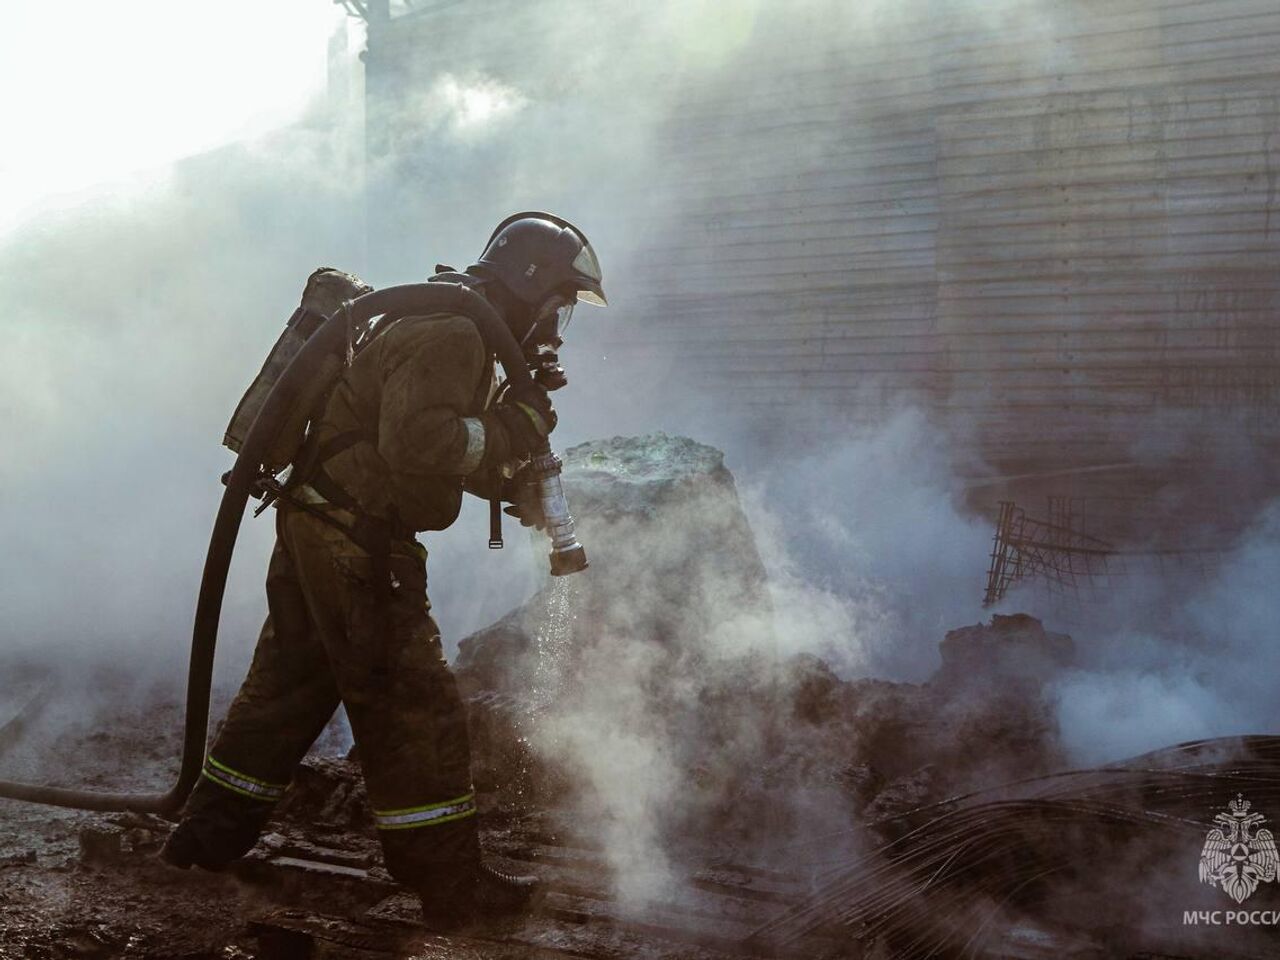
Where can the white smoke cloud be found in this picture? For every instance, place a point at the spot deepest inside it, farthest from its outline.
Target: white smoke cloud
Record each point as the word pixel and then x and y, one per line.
pixel 110 92
pixel 659 679
pixel 134 322
pixel 1178 657
pixel 473 107
pixel 872 530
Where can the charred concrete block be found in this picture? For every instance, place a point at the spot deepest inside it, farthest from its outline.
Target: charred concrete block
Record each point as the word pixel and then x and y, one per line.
pixel 813 689
pixel 892 725
pixel 101 844
pixel 905 794
pixel 982 719
pixel 21 859
pixel 1014 648
pixel 670 551
pixel 499 748
pixel 290 934
pixel 330 792
pixel 862 782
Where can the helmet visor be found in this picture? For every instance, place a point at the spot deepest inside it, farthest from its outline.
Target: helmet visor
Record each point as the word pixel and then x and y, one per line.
pixel 587 268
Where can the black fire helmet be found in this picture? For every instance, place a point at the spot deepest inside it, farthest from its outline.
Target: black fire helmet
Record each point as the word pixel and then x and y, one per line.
pixel 536 255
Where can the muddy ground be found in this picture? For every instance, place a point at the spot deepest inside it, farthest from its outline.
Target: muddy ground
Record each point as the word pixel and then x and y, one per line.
pixel 894 763
pixel 75 884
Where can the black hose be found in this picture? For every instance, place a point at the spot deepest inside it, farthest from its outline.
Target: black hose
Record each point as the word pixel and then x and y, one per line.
pixel 329 341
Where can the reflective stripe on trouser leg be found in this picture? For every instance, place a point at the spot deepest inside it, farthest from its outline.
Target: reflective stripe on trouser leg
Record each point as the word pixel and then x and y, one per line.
pixel 426 816
pixel 242 783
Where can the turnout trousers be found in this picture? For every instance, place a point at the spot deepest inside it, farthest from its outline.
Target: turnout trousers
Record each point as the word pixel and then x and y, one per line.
pixel 332 637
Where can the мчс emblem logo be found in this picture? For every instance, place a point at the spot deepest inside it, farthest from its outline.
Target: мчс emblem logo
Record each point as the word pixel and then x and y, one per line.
pixel 1235 859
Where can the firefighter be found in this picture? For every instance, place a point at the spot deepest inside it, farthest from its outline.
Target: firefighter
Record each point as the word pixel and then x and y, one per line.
pixel 409 424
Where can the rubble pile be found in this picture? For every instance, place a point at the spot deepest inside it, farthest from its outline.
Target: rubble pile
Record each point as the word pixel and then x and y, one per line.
pixel 677 594
pixel 672 556
pixel 986 716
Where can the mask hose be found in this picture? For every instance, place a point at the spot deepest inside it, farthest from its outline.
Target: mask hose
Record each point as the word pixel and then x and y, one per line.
pixel 322 351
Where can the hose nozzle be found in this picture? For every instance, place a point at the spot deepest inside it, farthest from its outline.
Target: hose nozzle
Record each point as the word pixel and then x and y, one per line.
pixel 567 554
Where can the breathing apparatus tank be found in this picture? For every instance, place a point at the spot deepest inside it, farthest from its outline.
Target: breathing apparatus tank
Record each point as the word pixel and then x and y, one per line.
pixel 326 291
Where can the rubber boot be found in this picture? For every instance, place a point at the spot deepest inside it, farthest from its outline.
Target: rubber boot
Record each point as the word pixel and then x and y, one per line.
pixel 212 838
pixel 501 894
pixel 184 850
pixel 487 896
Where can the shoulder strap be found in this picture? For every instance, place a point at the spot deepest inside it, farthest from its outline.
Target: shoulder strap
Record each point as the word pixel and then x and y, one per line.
pixel 310 467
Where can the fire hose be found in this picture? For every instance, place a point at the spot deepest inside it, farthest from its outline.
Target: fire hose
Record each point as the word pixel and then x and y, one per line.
pixel 328 341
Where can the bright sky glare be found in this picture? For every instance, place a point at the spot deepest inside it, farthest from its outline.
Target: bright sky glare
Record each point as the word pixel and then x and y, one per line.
pixel 95 90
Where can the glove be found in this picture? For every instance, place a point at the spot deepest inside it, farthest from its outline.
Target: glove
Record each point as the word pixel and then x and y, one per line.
pixel 533 398
pixel 529 417
pixel 526 505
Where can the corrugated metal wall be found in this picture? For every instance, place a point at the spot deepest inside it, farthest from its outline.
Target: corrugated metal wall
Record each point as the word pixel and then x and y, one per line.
pixel 1054 225
pixel 1105 251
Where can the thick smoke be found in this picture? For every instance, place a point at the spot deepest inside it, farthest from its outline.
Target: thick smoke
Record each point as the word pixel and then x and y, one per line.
pixel 877 524
pixel 138 318
pixel 1175 655
pixel 663 678
pixel 134 322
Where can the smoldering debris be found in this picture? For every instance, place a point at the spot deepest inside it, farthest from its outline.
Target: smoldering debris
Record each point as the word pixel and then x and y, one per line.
pixel 1089 864
pixel 679 680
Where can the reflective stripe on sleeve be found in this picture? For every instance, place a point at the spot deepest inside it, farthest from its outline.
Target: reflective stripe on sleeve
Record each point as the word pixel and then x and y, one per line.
pixel 427 816
pixel 242 783
pixel 475 445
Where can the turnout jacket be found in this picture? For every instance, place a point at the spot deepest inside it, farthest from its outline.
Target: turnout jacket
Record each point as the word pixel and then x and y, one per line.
pixel 409 422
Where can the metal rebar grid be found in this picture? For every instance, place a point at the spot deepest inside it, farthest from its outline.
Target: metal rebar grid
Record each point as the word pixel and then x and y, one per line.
pixel 1073 565
pixel 1058 556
